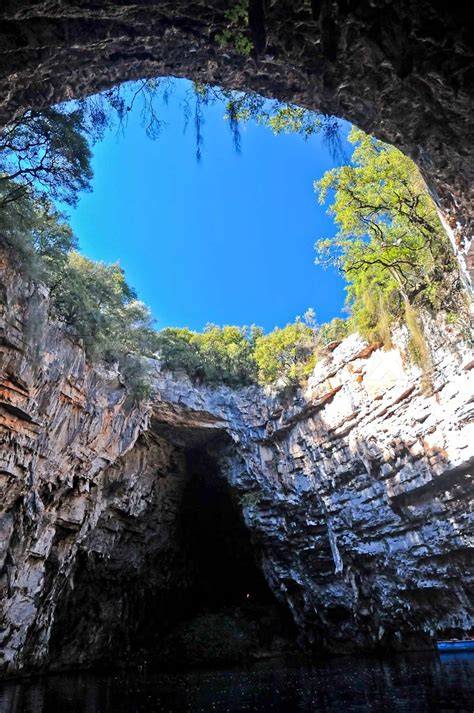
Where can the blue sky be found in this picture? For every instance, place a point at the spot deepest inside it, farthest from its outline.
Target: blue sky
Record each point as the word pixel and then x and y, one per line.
pixel 228 240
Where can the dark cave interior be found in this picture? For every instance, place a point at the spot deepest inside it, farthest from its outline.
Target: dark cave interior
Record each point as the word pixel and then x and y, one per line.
pixel 217 542
pixel 200 600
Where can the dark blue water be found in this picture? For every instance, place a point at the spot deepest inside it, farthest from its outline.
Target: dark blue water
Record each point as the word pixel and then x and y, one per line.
pixel 415 683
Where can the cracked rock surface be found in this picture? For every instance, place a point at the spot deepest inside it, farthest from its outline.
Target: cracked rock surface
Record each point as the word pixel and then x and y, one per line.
pixel 356 495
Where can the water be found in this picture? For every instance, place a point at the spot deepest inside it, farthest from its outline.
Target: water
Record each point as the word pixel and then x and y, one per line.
pixel 414 683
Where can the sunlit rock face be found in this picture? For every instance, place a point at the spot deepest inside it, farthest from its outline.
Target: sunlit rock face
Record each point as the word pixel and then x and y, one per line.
pixel 348 505
pixel 400 70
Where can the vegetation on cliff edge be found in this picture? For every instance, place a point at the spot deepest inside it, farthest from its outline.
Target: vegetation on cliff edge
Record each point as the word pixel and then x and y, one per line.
pixel 390 246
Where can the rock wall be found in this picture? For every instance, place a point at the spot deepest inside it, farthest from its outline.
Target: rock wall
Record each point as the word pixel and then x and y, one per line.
pixel 357 494
pixel 400 70
pixel 365 506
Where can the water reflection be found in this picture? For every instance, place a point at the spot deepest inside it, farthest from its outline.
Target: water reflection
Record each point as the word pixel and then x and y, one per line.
pixel 414 683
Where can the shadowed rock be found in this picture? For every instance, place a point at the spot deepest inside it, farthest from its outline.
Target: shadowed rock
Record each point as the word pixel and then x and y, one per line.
pixel 348 506
pixel 400 70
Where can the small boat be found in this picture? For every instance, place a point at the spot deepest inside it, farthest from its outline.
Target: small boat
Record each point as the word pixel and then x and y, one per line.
pixel 453 645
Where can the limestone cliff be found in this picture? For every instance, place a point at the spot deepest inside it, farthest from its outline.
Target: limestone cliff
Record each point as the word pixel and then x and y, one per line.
pixel 356 495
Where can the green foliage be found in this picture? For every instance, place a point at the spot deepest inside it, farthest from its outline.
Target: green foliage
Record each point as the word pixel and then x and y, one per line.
pixel 241 107
pixel 281 118
pixel 178 351
pixel 375 305
pixel 390 245
pixel 238 356
pixel 115 327
pixel 45 151
pixel 334 331
pixel 236 34
pixel 217 355
pixel 91 297
pixel 36 235
pixel 96 300
pixel 136 373
pixel 227 354
pixel 417 346
pixel 287 355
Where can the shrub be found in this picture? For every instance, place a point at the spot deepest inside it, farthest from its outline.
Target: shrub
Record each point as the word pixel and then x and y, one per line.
pixel 333 331
pixel 217 355
pixel 36 235
pixel 227 355
pixel 178 351
pixel 286 354
pixel 96 300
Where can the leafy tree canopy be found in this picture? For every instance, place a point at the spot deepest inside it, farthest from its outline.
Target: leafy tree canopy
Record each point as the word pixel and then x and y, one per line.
pixel 286 355
pixel 391 246
pixel 334 331
pixel 239 356
pixel 227 354
pixel 37 235
pixel 47 152
pixel 178 351
pixel 279 117
pixel 217 355
pixel 96 300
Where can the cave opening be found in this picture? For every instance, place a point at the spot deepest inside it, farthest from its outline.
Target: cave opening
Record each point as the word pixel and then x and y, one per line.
pixel 230 613
pixel 217 542
pixel 196 598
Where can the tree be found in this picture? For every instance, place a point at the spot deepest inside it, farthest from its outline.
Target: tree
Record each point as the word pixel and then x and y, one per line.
pixel 239 356
pixel 333 331
pixel 46 152
pixel 286 354
pixel 219 355
pixel 178 350
pixel 227 355
pixel 391 245
pixel 96 300
pixel 36 235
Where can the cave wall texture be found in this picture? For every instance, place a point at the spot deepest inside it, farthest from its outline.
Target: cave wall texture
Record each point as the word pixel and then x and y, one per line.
pixel 400 70
pixel 356 494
